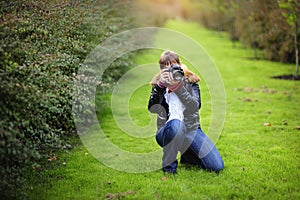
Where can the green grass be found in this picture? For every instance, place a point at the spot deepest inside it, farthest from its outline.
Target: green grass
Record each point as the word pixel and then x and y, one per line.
pixel 261 162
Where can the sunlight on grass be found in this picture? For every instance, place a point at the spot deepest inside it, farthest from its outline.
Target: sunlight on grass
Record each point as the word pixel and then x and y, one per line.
pixel 138 106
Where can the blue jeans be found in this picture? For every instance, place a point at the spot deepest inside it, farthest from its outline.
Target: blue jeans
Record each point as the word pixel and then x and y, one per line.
pixel 195 147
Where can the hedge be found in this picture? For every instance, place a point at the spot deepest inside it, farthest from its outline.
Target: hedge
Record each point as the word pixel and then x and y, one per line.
pixel 43 43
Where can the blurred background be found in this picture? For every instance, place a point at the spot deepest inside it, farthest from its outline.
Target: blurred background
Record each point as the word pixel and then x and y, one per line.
pixel 270 25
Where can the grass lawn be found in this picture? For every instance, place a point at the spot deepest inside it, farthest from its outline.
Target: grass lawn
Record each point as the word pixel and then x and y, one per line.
pixel 261 162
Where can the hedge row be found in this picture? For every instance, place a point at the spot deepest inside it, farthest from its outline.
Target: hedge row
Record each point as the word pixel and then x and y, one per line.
pixel 42 46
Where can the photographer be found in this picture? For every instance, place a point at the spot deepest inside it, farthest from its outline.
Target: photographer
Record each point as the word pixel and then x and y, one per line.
pixel 175 98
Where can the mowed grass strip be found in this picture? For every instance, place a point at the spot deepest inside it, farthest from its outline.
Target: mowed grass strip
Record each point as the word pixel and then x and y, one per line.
pixel 259 142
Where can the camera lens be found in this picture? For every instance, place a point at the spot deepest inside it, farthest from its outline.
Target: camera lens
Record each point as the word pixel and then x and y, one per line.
pixel 177 75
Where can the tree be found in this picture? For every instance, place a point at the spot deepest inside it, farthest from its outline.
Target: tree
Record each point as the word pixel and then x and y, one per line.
pixel 232 9
pixel 250 24
pixel 292 15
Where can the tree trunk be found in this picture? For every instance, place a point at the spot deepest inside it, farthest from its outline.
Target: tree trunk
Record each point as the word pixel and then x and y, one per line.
pixel 296 49
pixel 254 46
pixel 255 53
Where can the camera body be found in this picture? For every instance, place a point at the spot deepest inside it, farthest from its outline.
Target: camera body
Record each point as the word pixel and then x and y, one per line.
pixel 176 71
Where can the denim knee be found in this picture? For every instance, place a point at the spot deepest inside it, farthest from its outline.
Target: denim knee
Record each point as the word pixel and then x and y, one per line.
pixel 213 161
pixel 167 133
pixel 218 166
pixel 175 126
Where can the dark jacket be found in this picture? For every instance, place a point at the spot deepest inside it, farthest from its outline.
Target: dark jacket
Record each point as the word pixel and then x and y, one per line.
pixel 188 93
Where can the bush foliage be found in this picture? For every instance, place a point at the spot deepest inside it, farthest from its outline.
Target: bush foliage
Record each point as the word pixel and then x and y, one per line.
pixel 42 46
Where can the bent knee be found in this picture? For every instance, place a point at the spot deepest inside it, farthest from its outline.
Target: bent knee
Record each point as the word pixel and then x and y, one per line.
pixel 175 126
pixel 214 165
pixel 218 166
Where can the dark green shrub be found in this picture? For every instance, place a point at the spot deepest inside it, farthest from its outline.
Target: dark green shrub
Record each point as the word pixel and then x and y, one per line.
pixel 42 45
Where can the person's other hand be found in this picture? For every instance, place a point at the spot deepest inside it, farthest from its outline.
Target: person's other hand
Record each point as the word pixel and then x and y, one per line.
pixel 165 78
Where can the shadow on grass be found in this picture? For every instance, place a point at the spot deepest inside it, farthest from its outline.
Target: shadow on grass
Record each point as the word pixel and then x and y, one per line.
pixel 287 77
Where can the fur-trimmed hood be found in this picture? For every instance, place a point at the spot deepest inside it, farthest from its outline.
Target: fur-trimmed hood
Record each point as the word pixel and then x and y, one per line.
pixel 191 76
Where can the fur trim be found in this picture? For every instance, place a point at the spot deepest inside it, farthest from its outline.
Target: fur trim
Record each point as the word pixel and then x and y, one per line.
pixel 191 76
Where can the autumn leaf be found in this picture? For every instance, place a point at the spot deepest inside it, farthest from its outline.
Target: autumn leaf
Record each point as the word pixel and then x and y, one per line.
pixel 267 124
pixel 53 158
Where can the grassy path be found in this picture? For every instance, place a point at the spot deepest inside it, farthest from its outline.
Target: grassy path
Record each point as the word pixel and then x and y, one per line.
pixel 261 162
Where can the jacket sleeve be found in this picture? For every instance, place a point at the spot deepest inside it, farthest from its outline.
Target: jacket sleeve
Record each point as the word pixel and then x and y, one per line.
pixel 189 94
pixel 156 101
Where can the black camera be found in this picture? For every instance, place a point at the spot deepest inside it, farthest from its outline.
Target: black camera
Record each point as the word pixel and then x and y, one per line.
pixel 176 71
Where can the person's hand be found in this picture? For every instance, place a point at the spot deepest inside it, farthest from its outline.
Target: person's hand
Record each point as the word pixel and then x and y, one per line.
pixel 167 79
